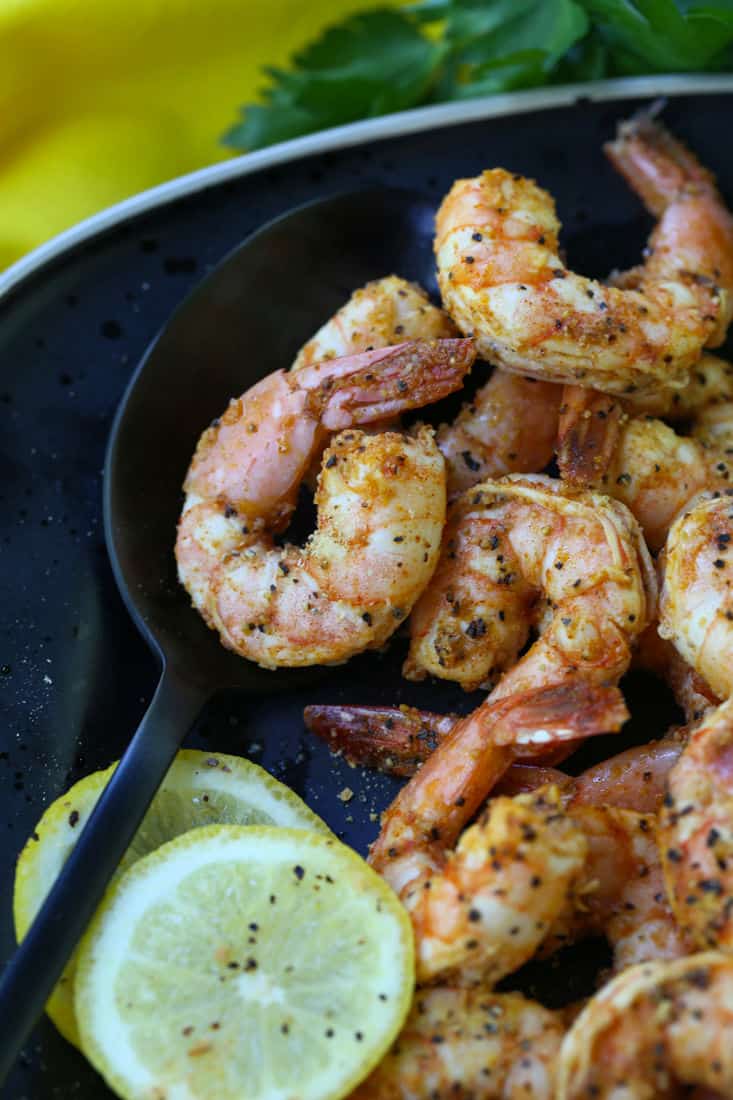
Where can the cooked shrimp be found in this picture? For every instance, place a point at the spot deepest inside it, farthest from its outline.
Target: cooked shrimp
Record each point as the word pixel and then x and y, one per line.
pixel 653 1030
pixel 508 427
pixel 696 604
pixel 632 780
pixel 654 472
pixel 710 383
pixel 470 1043
pixel 398 739
pixel 381 503
pixel 502 279
pixel 509 542
pixel 696 832
pixel 480 911
pixel 480 918
pixel 619 892
pixel 381 313
pixel 384 312
pixel 590 424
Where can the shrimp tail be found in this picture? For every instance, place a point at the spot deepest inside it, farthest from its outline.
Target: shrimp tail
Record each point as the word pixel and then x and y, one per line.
pixel 588 432
pixel 562 712
pixel 375 385
pixel 451 785
pixel 396 740
pixel 657 166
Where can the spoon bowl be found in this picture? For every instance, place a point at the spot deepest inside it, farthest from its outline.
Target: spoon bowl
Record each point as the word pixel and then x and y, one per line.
pixel 246 319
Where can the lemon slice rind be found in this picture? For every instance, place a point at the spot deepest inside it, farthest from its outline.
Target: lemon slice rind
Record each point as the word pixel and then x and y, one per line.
pixel 200 789
pixel 244 961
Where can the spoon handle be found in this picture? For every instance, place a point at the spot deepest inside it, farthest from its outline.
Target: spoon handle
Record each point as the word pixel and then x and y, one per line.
pixel 37 964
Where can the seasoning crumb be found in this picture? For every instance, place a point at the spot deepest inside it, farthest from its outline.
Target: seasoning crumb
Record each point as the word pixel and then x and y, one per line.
pixel 346 794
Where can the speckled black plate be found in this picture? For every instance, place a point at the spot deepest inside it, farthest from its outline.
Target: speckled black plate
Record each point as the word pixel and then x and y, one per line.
pixel 75 319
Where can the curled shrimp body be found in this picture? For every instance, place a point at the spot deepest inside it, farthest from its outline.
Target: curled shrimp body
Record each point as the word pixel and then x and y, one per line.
pixel 603 438
pixel 655 472
pixel 696 603
pixel 509 427
pixel 384 312
pixel 710 383
pixel 502 279
pixel 524 551
pixel 655 1029
pixel 381 503
pixel 696 832
pixel 481 911
pixel 476 917
pixel 619 891
pixel 470 1043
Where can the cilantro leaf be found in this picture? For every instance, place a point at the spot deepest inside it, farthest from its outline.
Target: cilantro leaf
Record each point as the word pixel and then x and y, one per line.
pixel 371 64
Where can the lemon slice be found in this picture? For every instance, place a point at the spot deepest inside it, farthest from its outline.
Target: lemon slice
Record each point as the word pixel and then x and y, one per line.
pixel 200 789
pixel 244 962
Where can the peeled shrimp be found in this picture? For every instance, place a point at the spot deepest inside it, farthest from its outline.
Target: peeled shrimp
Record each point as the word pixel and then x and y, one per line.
pixel 654 472
pixel 480 911
pixel 696 832
pixel 381 501
pixel 470 1043
pixel 592 427
pixel 619 892
pixel 509 427
pixel 643 462
pixel 502 279
pixel 696 602
pixel 524 551
pixel 478 918
pixel 653 1030
pixel 710 383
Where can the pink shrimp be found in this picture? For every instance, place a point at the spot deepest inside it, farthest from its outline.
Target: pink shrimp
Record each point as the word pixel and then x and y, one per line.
pixel 381 501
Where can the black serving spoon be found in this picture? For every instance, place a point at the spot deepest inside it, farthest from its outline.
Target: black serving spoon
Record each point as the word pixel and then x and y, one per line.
pixel 244 320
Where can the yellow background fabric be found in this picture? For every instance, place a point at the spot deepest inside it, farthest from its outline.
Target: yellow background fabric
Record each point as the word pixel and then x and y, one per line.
pixel 100 99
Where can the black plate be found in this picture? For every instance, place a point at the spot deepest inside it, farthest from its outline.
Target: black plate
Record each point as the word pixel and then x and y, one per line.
pixel 75 674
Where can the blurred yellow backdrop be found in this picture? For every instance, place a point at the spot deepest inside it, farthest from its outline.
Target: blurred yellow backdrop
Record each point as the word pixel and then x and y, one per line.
pixel 103 98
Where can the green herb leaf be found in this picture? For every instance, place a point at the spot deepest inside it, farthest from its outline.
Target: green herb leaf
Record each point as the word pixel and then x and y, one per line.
pixel 436 50
pixel 372 64
pixel 508 43
pixel 663 36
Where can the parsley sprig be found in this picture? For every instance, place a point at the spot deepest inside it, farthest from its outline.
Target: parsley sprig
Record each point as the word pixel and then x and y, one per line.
pixel 433 51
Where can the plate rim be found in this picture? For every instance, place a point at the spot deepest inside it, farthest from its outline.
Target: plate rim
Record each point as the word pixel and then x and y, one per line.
pixel 355 133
